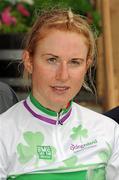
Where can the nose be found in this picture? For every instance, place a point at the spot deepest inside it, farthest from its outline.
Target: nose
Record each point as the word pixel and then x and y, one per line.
pixel 62 72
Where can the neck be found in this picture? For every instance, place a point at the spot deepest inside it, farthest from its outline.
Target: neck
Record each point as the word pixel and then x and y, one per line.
pixel 50 109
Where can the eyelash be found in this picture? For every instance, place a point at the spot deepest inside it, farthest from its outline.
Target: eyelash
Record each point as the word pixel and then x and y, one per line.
pixel 52 60
pixel 72 62
pixel 75 62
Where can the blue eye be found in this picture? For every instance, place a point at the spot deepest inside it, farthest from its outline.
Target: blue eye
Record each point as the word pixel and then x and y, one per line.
pixel 52 60
pixel 75 62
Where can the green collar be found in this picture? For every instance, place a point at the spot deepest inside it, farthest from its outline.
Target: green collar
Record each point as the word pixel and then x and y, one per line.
pixel 45 110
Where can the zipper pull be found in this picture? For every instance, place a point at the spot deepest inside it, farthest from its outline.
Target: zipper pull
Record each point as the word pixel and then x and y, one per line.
pixel 59 121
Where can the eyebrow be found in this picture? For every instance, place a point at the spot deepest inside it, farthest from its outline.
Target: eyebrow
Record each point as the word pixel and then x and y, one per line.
pixel 50 54
pixel 78 59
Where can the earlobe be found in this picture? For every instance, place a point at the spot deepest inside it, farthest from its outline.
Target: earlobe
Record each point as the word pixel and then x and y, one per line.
pixel 27 61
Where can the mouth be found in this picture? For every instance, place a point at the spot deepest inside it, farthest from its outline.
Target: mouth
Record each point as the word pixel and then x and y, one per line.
pixel 60 89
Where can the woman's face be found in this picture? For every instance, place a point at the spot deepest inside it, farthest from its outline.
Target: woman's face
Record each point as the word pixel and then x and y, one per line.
pixel 58 68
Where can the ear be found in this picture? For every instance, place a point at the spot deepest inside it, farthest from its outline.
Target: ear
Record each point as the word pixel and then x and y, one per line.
pixel 27 61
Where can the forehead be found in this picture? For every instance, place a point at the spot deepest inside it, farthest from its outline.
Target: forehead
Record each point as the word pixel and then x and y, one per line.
pixel 54 31
pixel 56 40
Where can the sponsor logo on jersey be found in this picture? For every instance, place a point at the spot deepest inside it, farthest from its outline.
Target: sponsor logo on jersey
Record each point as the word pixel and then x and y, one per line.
pixel 44 152
pixel 79 147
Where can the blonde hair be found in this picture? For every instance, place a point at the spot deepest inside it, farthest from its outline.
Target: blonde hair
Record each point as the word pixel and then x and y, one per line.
pixel 64 20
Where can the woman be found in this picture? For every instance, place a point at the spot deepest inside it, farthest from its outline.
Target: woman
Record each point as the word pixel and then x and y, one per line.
pixel 48 136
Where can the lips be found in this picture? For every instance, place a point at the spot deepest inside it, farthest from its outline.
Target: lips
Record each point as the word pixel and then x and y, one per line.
pixel 60 89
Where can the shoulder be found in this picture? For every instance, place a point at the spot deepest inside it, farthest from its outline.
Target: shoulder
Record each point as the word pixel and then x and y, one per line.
pixel 12 122
pixel 90 116
pixel 97 124
pixel 11 125
pixel 12 113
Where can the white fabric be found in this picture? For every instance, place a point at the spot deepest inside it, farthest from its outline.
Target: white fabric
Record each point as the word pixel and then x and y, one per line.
pixel 87 138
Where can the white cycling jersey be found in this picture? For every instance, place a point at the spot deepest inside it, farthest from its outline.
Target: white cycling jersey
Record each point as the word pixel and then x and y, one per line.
pixel 39 143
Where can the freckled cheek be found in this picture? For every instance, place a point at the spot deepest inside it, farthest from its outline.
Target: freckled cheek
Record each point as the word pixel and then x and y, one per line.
pixel 78 76
pixel 43 77
pixel 77 80
pixel 39 71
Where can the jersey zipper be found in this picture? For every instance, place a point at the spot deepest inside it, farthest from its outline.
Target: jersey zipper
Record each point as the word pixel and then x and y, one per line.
pixel 58 118
pixel 57 134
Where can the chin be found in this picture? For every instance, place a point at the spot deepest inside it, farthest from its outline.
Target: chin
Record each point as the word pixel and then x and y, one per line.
pixel 60 101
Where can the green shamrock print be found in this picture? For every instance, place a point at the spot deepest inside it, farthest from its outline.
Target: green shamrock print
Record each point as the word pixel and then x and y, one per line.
pixel 26 153
pixel 105 155
pixel 71 161
pixel 96 174
pixel 79 132
pixel 29 151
